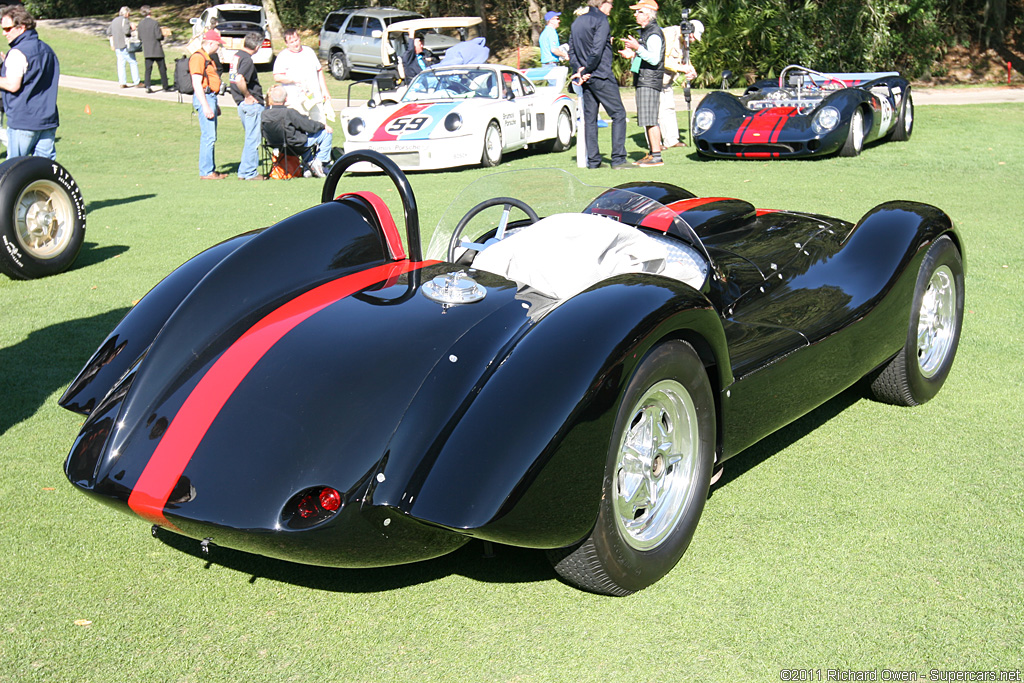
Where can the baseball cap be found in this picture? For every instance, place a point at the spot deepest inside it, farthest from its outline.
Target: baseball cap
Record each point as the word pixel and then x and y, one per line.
pixel 213 36
pixel 551 15
pixel 645 4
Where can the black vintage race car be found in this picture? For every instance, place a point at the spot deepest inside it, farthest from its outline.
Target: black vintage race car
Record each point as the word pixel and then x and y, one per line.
pixel 567 369
pixel 804 113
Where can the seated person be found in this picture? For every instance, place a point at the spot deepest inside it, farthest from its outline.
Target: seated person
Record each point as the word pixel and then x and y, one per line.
pixel 417 58
pixel 286 127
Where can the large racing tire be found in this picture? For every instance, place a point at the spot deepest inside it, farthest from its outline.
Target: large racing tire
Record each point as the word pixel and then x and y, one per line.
pixel 658 471
pixel 905 121
pixel 855 138
pixel 936 318
pixel 42 218
pixel 338 65
pixel 491 155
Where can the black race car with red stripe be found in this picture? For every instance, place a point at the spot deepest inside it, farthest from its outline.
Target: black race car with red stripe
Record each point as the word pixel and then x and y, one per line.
pixel 805 113
pixel 567 368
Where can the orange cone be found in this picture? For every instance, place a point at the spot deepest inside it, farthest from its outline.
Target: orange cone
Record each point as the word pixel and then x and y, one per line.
pixel 87 110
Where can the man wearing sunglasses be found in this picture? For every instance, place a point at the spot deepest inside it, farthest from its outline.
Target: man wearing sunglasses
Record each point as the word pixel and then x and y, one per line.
pixel 28 80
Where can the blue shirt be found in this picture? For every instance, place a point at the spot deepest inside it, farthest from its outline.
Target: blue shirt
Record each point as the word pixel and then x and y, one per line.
pixel 548 44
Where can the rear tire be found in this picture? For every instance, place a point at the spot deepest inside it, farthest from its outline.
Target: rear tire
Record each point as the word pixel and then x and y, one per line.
pixel 491 155
pixel 658 471
pixel 905 122
pixel 563 132
pixel 855 138
pixel 936 318
pixel 42 218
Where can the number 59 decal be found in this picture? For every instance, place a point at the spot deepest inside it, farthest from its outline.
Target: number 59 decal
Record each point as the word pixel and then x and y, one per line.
pixel 407 124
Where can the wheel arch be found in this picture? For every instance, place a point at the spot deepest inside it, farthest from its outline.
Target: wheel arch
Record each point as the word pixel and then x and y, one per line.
pixel 497 480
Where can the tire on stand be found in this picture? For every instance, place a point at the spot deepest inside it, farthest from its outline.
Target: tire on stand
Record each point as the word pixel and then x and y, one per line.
pixel 42 218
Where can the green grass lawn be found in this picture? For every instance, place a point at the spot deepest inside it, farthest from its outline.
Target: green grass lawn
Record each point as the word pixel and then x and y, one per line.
pixel 862 537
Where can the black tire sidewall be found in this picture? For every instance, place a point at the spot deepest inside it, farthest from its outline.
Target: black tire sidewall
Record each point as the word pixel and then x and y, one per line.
pixel 942 253
pixel 342 73
pixel 629 568
pixel 15 175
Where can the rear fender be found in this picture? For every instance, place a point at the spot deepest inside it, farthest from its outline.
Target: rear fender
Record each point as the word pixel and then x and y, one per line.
pixel 136 331
pixel 524 465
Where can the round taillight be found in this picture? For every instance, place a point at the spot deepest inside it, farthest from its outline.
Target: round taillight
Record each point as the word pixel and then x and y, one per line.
pixel 330 499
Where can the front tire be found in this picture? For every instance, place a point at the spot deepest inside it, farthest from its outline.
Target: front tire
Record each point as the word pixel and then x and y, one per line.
pixel 855 138
pixel 658 471
pixel 491 155
pixel 338 66
pixel 936 319
pixel 42 218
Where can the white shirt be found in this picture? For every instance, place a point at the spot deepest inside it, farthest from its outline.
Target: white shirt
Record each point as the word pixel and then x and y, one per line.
pixel 17 65
pixel 302 67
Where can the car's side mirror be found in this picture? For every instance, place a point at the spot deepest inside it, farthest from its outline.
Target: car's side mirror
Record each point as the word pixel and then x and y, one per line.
pixel 194 20
pixel 726 77
pixel 376 34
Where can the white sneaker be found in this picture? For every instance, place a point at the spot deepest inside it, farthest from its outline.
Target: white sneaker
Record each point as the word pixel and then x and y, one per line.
pixel 317 167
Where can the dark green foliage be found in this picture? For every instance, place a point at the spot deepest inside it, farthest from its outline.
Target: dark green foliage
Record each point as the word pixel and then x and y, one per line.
pixel 58 9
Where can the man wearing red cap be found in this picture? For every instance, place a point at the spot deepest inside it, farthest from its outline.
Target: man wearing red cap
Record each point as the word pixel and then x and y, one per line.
pixel 648 55
pixel 205 87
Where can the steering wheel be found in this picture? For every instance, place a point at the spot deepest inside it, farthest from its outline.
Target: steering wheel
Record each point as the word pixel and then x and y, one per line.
pixel 507 202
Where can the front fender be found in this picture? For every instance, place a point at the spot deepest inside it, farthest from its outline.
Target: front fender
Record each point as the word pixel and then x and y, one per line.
pixel 525 462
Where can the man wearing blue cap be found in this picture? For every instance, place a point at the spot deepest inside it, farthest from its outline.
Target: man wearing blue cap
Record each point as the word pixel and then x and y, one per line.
pixel 551 51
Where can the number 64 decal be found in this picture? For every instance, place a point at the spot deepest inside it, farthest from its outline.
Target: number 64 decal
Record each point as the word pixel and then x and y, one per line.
pixel 407 124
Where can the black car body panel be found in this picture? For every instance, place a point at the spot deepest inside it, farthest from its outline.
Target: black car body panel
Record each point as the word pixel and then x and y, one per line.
pixel 271 368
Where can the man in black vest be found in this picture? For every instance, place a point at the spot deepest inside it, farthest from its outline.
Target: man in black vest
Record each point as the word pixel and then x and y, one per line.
pixel 648 55
pixel 590 57
pixel 28 79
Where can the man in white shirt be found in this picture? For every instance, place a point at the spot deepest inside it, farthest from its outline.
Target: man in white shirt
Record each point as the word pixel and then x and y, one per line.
pixel 298 69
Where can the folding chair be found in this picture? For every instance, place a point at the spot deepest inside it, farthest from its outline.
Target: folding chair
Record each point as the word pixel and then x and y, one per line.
pixel 281 160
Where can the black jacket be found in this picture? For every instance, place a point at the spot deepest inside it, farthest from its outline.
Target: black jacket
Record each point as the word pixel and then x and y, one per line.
pixel 282 125
pixel 590 44
pixel 152 38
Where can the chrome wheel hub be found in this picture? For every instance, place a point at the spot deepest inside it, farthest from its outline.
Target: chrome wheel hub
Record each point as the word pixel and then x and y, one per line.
pixel 43 219
pixel 657 465
pixel 936 325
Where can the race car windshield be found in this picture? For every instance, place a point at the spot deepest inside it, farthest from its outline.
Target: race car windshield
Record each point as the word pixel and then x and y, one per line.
pixel 548 192
pixel 455 84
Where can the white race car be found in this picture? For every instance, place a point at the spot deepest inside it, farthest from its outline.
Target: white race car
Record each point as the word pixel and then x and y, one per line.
pixel 463 115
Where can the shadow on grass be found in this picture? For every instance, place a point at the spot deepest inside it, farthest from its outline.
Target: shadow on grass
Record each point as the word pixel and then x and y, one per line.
pixel 104 203
pixel 47 360
pixel 93 253
pixel 475 560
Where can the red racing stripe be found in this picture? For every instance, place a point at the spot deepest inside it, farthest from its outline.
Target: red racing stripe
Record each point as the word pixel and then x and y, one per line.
pixel 200 409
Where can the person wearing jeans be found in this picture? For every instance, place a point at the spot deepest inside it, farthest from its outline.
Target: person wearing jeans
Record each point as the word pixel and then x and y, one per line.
pixel 28 81
pixel 248 95
pixel 120 31
pixel 205 86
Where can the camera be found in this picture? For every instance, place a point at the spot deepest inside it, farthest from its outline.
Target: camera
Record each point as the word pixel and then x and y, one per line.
pixel 686 27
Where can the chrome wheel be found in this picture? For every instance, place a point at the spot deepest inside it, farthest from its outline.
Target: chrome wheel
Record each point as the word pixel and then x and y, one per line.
pixel 492 145
pixel 857 127
pixel 936 326
pixel 657 464
pixel 44 219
